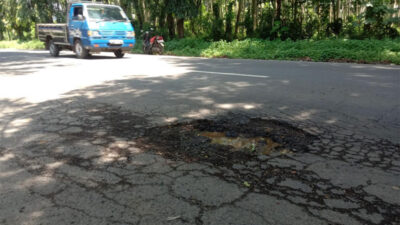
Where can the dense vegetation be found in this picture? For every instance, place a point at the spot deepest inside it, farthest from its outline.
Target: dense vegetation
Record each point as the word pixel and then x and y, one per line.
pixel 360 51
pixel 227 19
pixel 31 44
pixel 317 30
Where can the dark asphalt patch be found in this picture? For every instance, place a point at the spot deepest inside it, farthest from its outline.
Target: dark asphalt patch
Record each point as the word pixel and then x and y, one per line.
pixel 225 140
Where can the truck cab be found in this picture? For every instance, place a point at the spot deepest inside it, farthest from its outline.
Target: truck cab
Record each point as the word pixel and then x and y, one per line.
pixel 90 28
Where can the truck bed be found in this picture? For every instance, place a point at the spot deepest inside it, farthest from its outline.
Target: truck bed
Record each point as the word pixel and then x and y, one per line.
pixel 57 32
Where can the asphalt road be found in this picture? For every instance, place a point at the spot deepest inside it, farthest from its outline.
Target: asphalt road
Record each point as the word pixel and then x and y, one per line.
pixel 60 162
pixel 365 97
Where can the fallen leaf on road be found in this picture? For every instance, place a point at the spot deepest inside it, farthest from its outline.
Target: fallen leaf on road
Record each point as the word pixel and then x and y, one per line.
pixel 173 218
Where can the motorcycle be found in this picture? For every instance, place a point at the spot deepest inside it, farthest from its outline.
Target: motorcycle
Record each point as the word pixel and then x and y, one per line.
pixel 153 45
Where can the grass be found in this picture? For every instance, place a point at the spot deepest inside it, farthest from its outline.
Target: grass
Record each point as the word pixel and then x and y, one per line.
pixel 31 45
pixel 342 50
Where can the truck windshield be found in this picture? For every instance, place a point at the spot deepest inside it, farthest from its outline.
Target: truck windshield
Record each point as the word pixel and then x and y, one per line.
pixel 105 13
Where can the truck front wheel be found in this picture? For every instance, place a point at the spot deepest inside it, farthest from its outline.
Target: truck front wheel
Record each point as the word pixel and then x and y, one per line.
pixel 119 53
pixel 80 51
pixel 54 49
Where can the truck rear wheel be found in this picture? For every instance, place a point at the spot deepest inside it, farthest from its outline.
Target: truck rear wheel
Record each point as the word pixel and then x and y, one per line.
pixel 54 49
pixel 80 51
pixel 118 53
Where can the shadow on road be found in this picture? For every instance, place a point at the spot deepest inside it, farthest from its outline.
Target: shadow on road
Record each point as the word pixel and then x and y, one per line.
pixel 15 63
pixel 82 149
pixel 70 156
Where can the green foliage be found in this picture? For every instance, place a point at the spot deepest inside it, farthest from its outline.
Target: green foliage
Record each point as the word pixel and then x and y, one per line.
pixel 353 28
pixel 228 22
pixel 187 47
pixel 217 27
pixel 248 24
pixel 19 17
pixel 365 51
pixel 32 45
pixel 266 26
pixel 214 20
pixel 335 27
pixel 183 8
pixel 377 23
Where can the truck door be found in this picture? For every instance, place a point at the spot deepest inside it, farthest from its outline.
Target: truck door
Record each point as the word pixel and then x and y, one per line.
pixel 76 21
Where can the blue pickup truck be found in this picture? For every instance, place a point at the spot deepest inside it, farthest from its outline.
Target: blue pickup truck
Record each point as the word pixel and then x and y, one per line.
pixel 90 28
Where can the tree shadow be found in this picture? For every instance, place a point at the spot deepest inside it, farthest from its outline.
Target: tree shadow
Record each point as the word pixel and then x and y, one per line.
pixel 16 63
pixel 82 144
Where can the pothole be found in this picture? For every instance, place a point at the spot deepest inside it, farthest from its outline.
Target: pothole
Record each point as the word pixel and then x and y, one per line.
pixel 234 137
pixel 260 145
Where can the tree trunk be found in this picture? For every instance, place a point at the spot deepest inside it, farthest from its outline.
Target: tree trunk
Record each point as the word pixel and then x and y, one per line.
pixel 254 12
pixel 192 26
pixel 278 9
pixel 161 22
pixel 337 9
pixel 238 17
pixel 20 33
pixel 344 11
pixel 171 26
pixel 395 6
pixel 180 28
pixel 228 22
pixel 146 15
pixel 139 12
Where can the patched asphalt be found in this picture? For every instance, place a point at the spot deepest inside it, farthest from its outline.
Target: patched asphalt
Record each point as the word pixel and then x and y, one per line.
pixel 70 151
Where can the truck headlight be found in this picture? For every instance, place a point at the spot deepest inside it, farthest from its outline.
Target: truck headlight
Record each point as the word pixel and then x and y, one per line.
pixel 93 33
pixel 130 33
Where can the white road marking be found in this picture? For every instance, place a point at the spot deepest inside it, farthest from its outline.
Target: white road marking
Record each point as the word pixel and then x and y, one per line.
pixel 230 74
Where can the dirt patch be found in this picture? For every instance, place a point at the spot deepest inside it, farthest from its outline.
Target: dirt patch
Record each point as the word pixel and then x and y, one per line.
pixel 225 140
pixel 261 145
pixel 358 61
pixel 344 60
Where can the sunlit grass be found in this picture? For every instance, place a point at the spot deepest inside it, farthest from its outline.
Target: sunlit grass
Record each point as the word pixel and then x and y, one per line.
pixel 31 45
pixel 362 51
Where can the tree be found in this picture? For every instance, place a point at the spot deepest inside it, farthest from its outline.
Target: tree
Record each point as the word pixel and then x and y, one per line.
pixel 171 25
pixel 254 13
pixel 269 19
pixel 278 10
pixel 139 12
pixel 217 30
pixel 238 15
pixel 228 22
pixel 182 9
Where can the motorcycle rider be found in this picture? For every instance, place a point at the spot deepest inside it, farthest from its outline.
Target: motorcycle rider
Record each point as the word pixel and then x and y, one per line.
pixel 146 39
pixel 150 42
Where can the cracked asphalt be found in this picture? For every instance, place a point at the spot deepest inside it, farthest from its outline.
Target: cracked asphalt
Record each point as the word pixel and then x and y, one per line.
pixel 68 151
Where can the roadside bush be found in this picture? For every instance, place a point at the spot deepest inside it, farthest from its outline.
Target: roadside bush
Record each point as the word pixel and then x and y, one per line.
pixel 387 51
pixel 31 45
